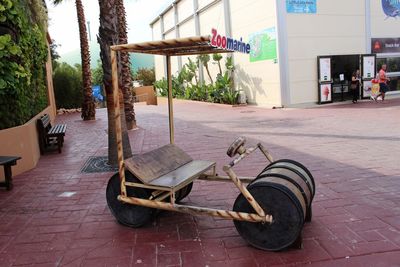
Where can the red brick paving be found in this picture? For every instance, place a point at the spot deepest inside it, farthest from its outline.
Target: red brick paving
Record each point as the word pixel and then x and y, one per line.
pixel 353 152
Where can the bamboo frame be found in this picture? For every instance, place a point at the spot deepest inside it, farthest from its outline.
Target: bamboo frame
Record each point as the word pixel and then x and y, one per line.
pixel 225 214
pixel 182 46
pixel 170 107
pixel 117 119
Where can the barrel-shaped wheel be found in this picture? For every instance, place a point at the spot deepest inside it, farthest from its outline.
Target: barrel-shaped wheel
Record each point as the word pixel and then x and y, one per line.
pixel 297 167
pixel 184 192
pixel 287 212
pixel 128 214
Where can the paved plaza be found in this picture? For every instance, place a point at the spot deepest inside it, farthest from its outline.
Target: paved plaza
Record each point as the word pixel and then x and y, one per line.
pixel 352 150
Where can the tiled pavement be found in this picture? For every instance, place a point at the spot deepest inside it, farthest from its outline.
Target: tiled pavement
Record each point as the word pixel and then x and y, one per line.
pixel 353 152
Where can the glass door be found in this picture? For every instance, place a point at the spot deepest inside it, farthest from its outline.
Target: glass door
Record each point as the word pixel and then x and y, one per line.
pixel 368 73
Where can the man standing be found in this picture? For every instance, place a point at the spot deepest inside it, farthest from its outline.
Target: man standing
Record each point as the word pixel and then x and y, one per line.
pixel 383 79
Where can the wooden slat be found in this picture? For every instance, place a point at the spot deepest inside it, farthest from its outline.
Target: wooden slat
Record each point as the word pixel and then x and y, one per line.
pixel 189 171
pixel 151 165
pixel 58 129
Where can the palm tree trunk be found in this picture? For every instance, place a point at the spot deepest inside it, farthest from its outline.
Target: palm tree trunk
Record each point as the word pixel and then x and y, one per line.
pixel 125 66
pixel 88 107
pixel 208 73
pixel 108 35
pixel 219 66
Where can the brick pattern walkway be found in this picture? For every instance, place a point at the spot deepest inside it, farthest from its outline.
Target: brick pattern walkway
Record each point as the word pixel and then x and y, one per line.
pixel 353 152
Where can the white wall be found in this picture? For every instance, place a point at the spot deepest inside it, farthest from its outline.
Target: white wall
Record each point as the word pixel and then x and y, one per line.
pixel 260 80
pixel 185 9
pixel 158 60
pixel 169 19
pixel 338 28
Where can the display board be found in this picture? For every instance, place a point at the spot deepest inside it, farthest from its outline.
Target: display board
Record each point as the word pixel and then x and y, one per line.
pixel 324 64
pixel 368 72
pixel 325 93
pixel 324 80
pixel 368 67
pixel 301 6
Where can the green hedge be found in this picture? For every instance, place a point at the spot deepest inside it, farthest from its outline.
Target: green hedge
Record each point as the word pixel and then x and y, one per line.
pixel 23 54
pixel 67 81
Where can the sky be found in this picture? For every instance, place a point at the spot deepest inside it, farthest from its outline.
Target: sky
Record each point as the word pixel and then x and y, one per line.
pixel 63 23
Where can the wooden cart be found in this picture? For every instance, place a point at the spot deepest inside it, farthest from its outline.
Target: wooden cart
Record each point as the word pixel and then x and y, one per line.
pixel 269 212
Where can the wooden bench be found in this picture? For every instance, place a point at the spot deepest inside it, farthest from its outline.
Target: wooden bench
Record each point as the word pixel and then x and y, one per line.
pixel 167 167
pixel 7 162
pixel 50 136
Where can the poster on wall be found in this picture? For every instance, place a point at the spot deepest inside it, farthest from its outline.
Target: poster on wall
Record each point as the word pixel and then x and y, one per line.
pixel 368 67
pixel 301 6
pixel 325 69
pixel 325 93
pixel 263 45
pixel 391 8
pixel 366 90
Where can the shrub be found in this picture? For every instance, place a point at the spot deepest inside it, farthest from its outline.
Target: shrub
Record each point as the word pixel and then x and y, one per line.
pixel 67 82
pixel 222 91
pixel 23 54
pixel 147 76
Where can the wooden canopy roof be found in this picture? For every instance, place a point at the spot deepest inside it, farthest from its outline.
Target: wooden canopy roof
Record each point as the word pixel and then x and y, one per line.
pixel 173 47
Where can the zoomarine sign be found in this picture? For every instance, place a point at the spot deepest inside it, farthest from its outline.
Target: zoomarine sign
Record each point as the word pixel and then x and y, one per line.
pixel 229 43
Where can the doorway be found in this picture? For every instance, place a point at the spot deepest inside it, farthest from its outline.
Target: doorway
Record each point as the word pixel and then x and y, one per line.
pixel 343 67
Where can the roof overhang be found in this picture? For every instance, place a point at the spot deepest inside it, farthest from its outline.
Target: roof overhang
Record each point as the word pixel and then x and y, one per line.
pixel 174 47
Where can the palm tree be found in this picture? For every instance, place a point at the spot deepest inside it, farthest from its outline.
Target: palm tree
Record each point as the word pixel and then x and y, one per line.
pixel 108 35
pixel 125 65
pixel 88 107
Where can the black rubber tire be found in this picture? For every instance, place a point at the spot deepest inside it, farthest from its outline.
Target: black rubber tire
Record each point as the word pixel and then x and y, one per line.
pixel 128 214
pixel 184 192
pixel 282 204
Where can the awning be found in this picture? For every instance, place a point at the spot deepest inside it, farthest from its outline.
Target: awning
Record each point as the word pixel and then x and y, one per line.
pixel 173 47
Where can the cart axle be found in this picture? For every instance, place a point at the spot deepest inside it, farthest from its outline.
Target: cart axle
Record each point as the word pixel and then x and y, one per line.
pixel 232 215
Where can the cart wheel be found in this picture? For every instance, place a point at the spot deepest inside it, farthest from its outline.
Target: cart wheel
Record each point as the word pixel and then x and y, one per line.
pixel 288 217
pixel 234 148
pixel 184 192
pixel 128 214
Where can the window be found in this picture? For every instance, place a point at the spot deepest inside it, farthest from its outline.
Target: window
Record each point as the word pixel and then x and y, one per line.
pixel 393 70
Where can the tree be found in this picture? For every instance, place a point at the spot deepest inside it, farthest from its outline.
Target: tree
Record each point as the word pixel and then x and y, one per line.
pixel 125 67
pixel 193 68
pixel 217 58
pixel 145 75
pixel 108 35
pixel 204 59
pixel 88 106
pixel 54 54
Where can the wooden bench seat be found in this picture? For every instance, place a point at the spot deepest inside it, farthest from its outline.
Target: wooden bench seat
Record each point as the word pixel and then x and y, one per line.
pixel 50 136
pixel 167 166
pixel 7 162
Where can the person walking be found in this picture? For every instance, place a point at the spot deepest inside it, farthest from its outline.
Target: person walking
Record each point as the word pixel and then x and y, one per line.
pixel 355 85
pixel 383 80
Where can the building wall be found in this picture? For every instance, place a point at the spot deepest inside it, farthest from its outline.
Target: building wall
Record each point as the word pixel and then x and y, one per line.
pixel 338 28
pixel 260 80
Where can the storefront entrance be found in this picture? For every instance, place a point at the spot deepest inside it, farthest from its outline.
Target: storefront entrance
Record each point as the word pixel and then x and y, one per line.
pixel 345 66
pixel 335 72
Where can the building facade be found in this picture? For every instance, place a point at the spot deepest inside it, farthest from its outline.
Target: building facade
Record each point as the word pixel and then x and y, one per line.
pixel 287 37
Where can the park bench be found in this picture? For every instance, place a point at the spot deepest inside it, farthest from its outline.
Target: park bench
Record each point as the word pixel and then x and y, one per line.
pixel 50 136
pixel 7 162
